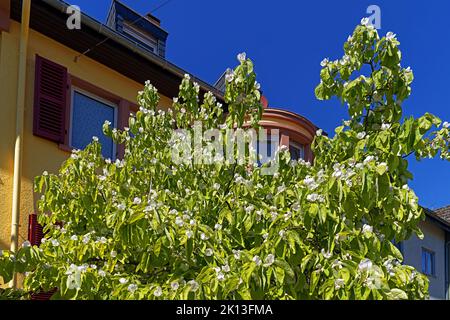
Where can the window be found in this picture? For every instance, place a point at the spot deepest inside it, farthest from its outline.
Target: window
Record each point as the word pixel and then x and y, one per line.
pixel 142 37
pixel 88 114
pixel 296 150
pixel 428 262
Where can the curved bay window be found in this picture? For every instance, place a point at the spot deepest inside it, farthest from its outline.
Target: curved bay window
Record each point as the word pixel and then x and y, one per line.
pixel 295 131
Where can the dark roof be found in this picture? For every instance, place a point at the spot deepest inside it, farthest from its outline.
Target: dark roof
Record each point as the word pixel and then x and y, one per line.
pixel 119 53
pixel 444 213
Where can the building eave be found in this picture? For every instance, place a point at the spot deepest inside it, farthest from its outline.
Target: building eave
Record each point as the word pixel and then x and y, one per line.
pixel 433 217
pixel 119 53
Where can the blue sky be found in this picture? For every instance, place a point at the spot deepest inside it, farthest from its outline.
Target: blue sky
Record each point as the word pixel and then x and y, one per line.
pixel 288 39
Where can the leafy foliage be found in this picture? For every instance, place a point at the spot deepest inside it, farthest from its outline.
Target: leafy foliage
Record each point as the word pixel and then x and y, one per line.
pixel 144 228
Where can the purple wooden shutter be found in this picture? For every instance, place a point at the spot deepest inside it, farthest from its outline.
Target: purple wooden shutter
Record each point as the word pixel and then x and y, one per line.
pixel 35 235
pixel 35 230
pixel 50 100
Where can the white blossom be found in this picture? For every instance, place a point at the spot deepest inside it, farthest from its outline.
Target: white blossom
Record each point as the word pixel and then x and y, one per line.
pixel 347 256
pixel 86 238
pixel 368 159
pixel 367 228
pixel 209 252
pixel 194 285
pixel 287 216
pixel 314 197
pixel 249 208
pixel 237 254
pixel 365 265
pixel 123 280
pixel 158 292
pixel 365 21
pixel 270 259
pixel 345 59
pixel 74 238
pixel 113 254
pixel 326 254
pixel 257 260
pixel 274 215
pixel 241 57
pixel 220 276
pixel 137 200
pixel 229 76
pixel 179 221
pixel 310 183
pixel 390 36
pixel 361 135
pixel 203 236
pixel 132 288
pixel 324 62
pixel 339 283
pixel 218 226
pixel 175 285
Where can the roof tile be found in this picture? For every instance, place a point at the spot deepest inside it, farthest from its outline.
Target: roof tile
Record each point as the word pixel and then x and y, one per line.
pixel 444 213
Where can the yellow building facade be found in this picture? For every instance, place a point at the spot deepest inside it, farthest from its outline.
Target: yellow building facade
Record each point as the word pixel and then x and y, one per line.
pixel 100 61
pixel 84 71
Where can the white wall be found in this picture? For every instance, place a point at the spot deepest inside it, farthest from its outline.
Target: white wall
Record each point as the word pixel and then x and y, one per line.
pixel 434 240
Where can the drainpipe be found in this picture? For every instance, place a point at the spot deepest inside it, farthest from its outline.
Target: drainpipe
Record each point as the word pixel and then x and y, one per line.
pixel 20 109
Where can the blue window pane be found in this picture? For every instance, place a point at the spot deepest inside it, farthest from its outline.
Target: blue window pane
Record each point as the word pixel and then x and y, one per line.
pixel 297 152
pixel 428 262
pixel 88 117
pixel 424 262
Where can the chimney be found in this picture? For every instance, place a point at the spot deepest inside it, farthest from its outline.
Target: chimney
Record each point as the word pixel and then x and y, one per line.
pixel 264 102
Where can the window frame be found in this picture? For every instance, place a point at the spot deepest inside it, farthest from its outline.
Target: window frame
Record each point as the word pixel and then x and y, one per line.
pixel 300 147
pixel 141 36
pixel 431 254
pixel 95 97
